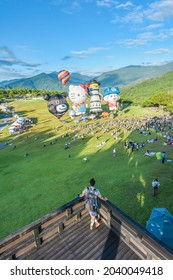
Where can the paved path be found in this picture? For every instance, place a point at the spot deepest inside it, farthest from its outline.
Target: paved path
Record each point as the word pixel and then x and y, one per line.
pixel 5 122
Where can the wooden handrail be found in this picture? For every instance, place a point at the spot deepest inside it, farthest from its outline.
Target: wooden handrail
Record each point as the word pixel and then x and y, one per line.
pixel 136 237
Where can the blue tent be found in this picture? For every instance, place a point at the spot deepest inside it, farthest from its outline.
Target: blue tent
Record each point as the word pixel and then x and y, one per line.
pixel 160 224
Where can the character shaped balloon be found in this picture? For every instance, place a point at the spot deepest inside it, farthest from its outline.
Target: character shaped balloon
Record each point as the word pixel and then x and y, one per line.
pixel 78 95
pixel 95 97
pixel 111 96
pixel 63 76
pixel 57 104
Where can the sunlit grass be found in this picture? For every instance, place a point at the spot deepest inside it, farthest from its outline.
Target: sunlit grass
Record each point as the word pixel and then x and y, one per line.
pixel 51 176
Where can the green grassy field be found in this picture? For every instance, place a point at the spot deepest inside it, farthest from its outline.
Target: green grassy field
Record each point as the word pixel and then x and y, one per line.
pixel 35 185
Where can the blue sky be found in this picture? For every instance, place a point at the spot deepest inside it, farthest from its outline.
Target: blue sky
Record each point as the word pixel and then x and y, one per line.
pixel 85 36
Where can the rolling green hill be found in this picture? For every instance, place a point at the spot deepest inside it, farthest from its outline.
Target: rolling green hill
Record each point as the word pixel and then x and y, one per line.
pixel 120 77
pixel 143 91
pixel 132 74
pixel 44 81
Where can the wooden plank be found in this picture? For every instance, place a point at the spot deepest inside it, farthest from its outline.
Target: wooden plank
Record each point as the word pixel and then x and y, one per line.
pixel 115 250
pixel 27 248
pixel 161 254
pixel 13 252
pixel 134 256
pixel 59 217
pixel 79 242
pixel 110 248
pixel 70 244
pixel 45 249
pixel 86 247
pixel 69 233
pixel 128 254
pixel 121 226
pixel 104 246
pixel 122 250
pixel 137 247
pixel 78 206
pixel 6 246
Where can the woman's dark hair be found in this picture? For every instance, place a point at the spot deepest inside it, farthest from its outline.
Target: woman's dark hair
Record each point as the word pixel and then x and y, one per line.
pixel 92 182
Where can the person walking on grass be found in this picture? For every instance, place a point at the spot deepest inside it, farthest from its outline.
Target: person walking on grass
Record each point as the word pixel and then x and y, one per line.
pixel 163 155
pixel 114 152
pixel 155 185
pixel 90 195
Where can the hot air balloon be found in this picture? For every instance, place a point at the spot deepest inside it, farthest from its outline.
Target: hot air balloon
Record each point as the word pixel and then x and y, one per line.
pixel 95 97
pixel 63 76
pixel 57 104
pixel 78 95
pixel 111 96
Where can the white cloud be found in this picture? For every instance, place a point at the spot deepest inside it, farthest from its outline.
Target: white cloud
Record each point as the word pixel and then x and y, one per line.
pixel 159 10
pixel 159 63
pixel 135 16
pixel 154 26
pixel 146 37
pixel 89 51
pixel 11 73
pixel 133 42
pixel 125 5
pixel 106 3
pixel 7 58
pixel 156 11
pixel 159 51
pixel 94 71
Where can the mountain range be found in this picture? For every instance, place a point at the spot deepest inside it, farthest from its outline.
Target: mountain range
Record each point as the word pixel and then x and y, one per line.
pixel 121 77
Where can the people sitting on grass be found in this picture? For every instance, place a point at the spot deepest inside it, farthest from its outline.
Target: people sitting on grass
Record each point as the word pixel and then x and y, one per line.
pixel 152 140
pixel 148 153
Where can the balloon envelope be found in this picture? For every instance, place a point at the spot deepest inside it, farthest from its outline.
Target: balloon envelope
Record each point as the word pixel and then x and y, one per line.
pixel 63 76
pixel 112 90
pixel 57 104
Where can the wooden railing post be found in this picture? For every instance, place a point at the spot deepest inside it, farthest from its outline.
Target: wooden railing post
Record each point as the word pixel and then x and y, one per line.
pixel 38 241
pixel 60 228
pixel 69 211
pixel 109 214
pixel 78 216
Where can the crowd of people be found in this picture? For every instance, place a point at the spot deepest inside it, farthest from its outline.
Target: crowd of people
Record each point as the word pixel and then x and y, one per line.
pixel 150 129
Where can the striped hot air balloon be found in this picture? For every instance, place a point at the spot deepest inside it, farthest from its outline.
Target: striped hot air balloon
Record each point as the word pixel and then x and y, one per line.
pixel 63 76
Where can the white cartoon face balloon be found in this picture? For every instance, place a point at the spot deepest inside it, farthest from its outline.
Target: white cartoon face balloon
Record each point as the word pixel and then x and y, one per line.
pixel 112 98
pixel 77 94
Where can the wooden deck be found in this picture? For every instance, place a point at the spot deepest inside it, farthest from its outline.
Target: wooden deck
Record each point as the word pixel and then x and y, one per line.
pixel 78 242
pixel 64 234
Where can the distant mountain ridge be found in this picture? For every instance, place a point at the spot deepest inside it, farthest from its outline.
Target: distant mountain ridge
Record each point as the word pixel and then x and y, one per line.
pixel 121 77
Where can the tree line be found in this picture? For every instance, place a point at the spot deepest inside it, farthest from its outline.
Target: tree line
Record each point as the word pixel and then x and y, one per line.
pixel 22 93
pixel 165 100
pixel 159 99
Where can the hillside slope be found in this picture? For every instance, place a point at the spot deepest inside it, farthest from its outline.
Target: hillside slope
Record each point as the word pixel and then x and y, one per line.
pixel 121 77
pixel 144 90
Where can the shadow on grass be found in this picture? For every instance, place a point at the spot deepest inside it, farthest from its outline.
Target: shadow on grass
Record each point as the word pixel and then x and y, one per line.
pixel 48 177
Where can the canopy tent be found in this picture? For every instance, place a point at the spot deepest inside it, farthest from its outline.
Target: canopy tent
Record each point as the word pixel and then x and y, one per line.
pixel 160 224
